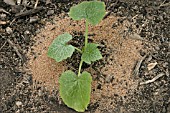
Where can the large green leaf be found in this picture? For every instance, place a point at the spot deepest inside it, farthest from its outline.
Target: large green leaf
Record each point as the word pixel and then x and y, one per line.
pixel 75 91
pixel 91 53
pixel 93 11
pixel 59 50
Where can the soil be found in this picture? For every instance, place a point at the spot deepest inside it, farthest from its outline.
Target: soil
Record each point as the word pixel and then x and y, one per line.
pixel 134 41
pixel 119 58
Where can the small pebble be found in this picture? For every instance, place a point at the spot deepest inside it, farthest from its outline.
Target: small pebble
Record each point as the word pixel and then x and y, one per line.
pixel 157 48
pixel 34 19
pixel 18 111
pixel 109 78
pixel 40 93
pixel 3 16
pixel 18 103
pixel 9 30
pixel 50 12
pixel 27 32
pixel 165 64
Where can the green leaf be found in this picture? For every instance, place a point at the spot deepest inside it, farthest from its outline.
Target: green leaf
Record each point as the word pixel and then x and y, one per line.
pixel 59 50
pixel 75 91
pixel 93 11
pixel 91 53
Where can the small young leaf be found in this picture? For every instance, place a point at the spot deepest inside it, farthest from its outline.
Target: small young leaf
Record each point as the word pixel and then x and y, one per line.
pixel 75 91
pixel 93 11
pixel 59 50
pixel 91 53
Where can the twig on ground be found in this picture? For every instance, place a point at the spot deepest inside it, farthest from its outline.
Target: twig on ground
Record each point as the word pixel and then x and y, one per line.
pixel 12 21
pixel 28 12
pixel 15 48
pixel 2 45
pixel 152 80
pixel 164 4
pixel 138 65
pixel 4 11
pixel 36 3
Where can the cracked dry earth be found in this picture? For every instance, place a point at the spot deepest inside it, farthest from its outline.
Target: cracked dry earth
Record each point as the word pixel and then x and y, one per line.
pixel 112 80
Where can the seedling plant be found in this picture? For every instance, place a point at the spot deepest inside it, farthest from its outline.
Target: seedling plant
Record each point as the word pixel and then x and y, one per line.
pixel 75 88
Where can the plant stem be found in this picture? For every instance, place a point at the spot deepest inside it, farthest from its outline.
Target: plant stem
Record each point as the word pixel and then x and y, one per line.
pixel 78 49
pixel 86 34
pixel 86 42
pixel 80 65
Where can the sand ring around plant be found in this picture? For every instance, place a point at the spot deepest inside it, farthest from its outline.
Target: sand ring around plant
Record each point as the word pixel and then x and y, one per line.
pixel 116 76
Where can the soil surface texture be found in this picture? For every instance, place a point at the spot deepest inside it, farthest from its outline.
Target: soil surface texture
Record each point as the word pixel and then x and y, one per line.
pixel 132 77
